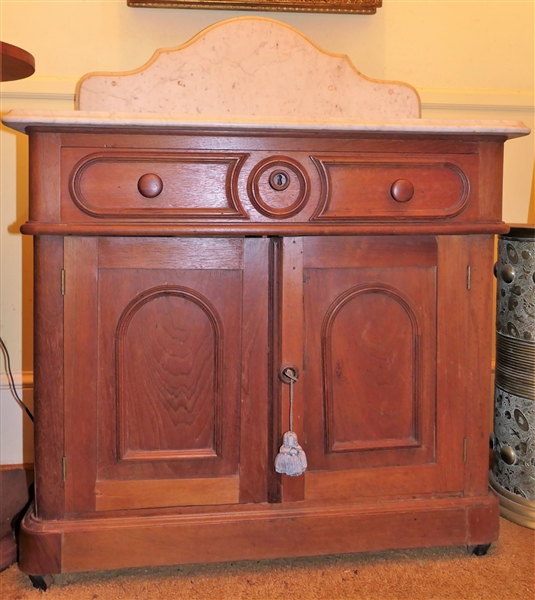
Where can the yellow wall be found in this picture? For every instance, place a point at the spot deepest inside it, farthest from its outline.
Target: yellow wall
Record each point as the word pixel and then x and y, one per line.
pixel 468 59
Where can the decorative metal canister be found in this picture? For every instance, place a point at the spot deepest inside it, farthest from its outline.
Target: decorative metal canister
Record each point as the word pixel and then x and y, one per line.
pixel 513 440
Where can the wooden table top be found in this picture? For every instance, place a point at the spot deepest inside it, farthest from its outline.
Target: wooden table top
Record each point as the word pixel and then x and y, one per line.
pixel 15 63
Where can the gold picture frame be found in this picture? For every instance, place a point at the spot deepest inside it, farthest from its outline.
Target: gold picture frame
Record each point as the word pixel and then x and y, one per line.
pixel 362 7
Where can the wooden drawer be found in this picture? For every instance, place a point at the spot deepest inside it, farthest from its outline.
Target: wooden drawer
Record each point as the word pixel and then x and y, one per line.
pixel 272 185
pixel 384 187
pixel 157 184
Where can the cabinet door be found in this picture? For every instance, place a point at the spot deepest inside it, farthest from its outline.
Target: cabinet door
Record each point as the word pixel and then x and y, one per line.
pixel 372 422
pixel 156 381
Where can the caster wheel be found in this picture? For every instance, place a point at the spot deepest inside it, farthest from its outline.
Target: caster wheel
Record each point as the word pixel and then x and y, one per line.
pixel 479 550
pixel 41 582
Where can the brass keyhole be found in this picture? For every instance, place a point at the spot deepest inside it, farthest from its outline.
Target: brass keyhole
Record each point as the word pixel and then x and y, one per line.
pixel 279 180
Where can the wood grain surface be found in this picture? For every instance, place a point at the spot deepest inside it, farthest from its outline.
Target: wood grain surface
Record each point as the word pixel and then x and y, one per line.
pixel 159 406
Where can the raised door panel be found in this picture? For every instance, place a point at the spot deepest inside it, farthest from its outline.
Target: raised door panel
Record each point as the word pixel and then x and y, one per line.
pixel 369 383
pixel 166 373
pixel 163 341
pixel 371 354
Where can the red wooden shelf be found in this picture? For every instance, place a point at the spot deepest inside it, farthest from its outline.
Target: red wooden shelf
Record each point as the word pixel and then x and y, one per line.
pixel 16 63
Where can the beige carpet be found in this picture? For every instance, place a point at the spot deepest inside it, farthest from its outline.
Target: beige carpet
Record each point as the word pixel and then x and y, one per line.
pixel 507 572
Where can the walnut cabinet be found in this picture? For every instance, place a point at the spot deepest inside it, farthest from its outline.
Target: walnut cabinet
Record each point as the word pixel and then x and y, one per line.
pixel 177 270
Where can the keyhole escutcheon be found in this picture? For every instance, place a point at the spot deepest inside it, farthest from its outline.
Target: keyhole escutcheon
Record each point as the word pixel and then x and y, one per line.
pixel 288 373
pixel 279 180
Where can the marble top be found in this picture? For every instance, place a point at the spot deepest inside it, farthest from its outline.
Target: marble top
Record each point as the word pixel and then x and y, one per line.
pixel 21 120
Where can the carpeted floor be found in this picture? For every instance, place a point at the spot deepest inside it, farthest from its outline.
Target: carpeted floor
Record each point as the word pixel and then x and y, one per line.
pixel 506 573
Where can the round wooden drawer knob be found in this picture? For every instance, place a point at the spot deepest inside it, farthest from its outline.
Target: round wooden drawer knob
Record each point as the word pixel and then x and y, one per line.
pixel 150 185
pixel 402 190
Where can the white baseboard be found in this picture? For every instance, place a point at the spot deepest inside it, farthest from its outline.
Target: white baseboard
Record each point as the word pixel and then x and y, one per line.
pixel 22 379
pixel 16 429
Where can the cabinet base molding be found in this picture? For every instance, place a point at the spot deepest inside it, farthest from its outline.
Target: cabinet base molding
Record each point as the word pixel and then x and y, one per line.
pixel 258 532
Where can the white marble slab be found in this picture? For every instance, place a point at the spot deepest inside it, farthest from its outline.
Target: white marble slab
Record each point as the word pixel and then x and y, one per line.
pixel 21 120
pixel 249 66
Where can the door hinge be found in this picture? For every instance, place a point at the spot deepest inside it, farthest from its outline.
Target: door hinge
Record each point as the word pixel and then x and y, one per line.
pixel 468 277
pixel 64 468
pixel 63 282
pixel 464 449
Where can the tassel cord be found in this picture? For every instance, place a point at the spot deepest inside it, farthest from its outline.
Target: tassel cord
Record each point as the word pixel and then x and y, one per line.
pixel 291 376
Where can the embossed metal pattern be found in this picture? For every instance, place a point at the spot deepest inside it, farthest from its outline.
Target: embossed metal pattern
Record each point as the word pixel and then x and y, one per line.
pixel 515 315
pixel 514 430
pixel 513 442
pixel 513 507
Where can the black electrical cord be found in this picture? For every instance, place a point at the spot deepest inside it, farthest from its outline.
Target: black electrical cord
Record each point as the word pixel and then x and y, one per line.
pixel 12 386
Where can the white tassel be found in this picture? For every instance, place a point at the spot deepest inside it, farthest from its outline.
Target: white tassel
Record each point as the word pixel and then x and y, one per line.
pixel 291 459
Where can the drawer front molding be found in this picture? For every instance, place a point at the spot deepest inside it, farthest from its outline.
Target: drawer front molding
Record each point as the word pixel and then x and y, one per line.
pixel 200 185
pixel 364 188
